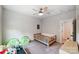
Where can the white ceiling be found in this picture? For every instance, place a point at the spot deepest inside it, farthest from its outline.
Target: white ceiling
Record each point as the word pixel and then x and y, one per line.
pixel 53 9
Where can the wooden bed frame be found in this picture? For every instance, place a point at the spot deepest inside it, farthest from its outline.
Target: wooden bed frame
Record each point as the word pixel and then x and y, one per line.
pixel 47 40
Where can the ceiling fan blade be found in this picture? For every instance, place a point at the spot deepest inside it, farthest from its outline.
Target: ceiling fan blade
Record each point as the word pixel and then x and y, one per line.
pixel 48 12
pixel 34 10
pixel 35 13
pixel 45 9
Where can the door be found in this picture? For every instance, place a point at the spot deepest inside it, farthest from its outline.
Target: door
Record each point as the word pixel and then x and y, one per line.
pixel 67 31
pixel 74 30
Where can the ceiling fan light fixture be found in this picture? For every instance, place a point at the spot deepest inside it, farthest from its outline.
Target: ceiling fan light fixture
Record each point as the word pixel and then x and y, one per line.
pixel 41 11
pixel 40 14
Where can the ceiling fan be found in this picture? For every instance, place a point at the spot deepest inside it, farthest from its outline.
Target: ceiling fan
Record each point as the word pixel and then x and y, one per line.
pixel 41 11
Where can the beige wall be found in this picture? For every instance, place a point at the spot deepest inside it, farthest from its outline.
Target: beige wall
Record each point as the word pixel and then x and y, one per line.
pixel 16 25
pixel 0 24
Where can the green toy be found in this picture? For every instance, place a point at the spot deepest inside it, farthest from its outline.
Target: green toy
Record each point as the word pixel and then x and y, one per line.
pixel 24 40
pixel 15 42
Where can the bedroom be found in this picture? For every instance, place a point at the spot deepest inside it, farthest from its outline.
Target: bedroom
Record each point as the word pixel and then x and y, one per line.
pixel 24 20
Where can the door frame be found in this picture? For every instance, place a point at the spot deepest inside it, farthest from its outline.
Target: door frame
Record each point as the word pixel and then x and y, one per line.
pixel 62 28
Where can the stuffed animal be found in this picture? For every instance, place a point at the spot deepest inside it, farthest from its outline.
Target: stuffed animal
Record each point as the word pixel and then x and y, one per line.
pixel 11 51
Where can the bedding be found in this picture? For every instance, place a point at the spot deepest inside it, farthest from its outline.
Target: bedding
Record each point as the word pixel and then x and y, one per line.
pixel 70 47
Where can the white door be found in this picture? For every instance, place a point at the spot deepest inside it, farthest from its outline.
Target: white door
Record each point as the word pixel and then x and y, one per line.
pixel 66 31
